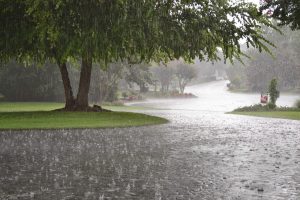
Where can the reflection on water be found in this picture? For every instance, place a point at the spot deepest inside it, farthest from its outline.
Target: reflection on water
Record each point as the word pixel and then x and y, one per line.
pixel 202 154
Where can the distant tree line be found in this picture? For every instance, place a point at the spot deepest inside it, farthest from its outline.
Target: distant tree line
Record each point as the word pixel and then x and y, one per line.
pixel 42 83
pixel 261 68
pixel 30 83
pixel 174 75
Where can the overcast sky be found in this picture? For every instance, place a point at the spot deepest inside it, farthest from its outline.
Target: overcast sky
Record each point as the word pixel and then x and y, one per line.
pixel 254 1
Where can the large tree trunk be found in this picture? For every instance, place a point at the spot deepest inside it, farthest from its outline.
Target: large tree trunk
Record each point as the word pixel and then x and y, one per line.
pixel 82 101
pixel 70 101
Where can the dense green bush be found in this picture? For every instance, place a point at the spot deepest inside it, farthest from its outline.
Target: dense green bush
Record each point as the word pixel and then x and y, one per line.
pixel 297 104
pixel 271 105
pixel 255 107
pixel 273 92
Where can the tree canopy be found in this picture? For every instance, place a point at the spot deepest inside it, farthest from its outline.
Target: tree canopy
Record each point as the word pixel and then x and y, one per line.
pixel 112 30
pixel 134 30
pixel 287 11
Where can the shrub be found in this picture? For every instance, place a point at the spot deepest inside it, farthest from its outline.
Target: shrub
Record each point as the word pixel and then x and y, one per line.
pixel 268 107
pixel 271 105
pixel 236 82
pixel 255 107
pixel 1 97
pixel 124 94
pixel 297 104
pixel 273 92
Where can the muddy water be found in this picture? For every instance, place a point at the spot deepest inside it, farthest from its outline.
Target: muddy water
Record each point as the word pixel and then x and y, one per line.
pixel 201 154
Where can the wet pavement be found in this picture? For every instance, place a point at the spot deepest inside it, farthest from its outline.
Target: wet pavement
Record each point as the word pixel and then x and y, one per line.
pixel 201 154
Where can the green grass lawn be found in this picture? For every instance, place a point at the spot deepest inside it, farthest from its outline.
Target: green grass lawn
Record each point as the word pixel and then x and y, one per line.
pixel 39 116
pixel 29 106
pixel 48 106
pixel 295 115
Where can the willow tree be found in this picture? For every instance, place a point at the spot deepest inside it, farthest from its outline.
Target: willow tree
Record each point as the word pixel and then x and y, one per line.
pixel 106 31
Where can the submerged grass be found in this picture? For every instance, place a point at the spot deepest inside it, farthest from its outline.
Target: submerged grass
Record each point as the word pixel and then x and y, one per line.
pixel 39 116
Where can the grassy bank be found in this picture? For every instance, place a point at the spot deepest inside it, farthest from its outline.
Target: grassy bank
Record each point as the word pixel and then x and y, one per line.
pixel 259 110
pixel 295 115
pixel 40 116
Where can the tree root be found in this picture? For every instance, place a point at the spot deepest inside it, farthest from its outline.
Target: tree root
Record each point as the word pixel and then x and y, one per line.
pixel 95 108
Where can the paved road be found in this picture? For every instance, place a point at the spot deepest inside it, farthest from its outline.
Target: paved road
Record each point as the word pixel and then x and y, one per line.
pixel 201 154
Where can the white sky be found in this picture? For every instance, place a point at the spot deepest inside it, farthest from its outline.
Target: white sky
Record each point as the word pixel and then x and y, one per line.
pixel 253 1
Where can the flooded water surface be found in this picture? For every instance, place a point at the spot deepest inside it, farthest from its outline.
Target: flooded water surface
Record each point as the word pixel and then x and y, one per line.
pixel 202 153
